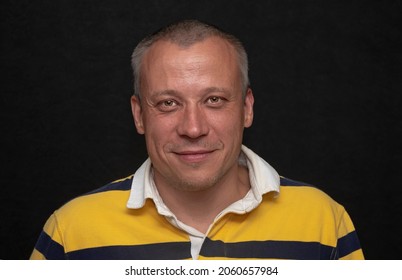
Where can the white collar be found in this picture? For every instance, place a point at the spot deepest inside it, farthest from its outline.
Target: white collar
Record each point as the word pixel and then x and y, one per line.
pixel 263 179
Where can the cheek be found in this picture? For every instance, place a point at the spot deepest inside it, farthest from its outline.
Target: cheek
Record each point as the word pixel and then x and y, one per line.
pixel 158 129
pixel 228 124
pixel 232 117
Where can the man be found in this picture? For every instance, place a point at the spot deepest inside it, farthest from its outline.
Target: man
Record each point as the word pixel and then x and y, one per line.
pixel 201 194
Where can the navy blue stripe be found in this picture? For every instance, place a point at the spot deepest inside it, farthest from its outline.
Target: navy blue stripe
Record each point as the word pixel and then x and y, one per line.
pixel 348 244
pixel 160 251
pixel 290 182
pixel 268 250
pixel 49 248
pixel 124 185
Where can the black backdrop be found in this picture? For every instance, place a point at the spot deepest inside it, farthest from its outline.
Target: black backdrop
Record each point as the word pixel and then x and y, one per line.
pixel 326 77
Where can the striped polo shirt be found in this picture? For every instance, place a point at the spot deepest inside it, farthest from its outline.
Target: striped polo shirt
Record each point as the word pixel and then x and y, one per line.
pixel 278 219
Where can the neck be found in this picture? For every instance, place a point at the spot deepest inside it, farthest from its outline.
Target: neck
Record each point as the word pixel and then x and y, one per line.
pixel 198 209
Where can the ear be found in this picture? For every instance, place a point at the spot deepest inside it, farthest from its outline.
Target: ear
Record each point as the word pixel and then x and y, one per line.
pixel 248 108
pixel 136 110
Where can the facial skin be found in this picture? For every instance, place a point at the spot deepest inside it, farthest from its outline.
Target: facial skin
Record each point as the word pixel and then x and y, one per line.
pixel 192 113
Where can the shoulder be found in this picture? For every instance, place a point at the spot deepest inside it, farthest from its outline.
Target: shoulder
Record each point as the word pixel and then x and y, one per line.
pixel 118 185
pixel 303 191
pixel 302 198
pixel 115 193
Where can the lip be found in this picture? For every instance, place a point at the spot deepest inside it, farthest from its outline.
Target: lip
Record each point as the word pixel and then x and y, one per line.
pixel 194 156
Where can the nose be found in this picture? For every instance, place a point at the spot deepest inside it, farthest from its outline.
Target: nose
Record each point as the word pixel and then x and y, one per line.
pixel 193 123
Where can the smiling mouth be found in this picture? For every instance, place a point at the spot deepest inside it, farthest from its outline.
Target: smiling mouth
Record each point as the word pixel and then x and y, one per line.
pixel 193 156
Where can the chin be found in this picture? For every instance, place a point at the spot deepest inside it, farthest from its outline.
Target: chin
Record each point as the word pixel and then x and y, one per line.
pixel 196 184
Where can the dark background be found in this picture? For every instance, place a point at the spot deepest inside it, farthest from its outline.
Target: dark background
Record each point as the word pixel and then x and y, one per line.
pixel 326 77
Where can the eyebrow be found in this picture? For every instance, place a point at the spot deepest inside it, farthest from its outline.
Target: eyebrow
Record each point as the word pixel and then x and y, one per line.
pixel 216 89
pixel 170 92
pixel 165 92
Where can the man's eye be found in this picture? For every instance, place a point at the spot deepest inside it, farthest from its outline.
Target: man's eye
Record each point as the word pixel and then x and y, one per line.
pixel 168 103
pixel 214 99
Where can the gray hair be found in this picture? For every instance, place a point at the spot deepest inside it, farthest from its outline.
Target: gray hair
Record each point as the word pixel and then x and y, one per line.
pixel 186 33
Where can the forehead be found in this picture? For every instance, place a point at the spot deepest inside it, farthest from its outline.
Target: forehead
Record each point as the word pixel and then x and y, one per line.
pixel 213 50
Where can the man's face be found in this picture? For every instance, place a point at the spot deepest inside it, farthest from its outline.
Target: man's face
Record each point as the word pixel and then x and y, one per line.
pixel 192 113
